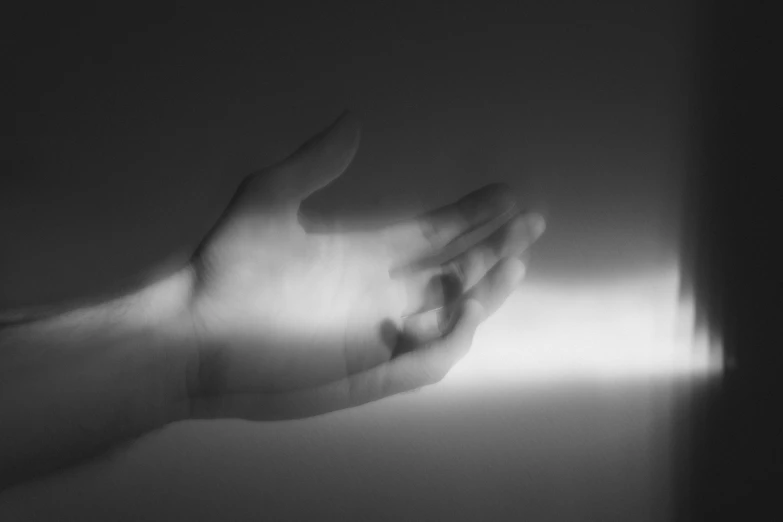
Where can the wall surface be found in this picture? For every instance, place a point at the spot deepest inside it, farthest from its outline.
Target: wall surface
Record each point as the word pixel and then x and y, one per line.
pixel 126 152
pixel 555 452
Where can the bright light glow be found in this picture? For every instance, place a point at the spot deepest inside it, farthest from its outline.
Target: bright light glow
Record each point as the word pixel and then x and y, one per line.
pixel 629 328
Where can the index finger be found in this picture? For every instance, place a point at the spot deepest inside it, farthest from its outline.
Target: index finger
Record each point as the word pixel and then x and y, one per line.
pixel 428 233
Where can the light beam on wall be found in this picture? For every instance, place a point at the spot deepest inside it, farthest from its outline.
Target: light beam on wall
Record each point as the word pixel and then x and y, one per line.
pixel 629 328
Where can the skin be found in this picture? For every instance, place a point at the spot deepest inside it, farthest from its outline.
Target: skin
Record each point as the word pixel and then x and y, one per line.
pixel 274 317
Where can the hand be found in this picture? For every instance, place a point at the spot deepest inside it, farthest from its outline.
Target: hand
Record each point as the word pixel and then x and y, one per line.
pixel 275 316
pixel 290 320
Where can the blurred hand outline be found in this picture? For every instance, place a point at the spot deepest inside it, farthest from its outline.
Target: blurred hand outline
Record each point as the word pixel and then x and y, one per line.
pixel 291 319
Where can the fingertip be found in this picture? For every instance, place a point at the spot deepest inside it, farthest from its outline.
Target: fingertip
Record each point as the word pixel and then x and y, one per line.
pixel 349 127
pixel 345 123
pixel 342 117
pixel 501 196
pixel 515 268
pixel 348 118
pixel 537 224
pixel 473 311
pixel 465 319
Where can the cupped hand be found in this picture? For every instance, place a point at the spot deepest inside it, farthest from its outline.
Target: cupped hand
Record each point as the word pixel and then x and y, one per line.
pixel 292 319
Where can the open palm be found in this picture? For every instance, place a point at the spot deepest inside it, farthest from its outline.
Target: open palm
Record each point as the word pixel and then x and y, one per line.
pixel 292 319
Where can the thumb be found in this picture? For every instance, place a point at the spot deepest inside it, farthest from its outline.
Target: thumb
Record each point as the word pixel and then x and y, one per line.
pixel 315 164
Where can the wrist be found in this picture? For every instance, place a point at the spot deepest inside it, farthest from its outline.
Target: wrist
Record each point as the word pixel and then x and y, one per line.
pixel 162 306
pixel 152 300
pixel 159 317
pixel 94 376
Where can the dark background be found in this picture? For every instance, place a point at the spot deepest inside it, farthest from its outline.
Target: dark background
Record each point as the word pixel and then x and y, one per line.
pixel 131 128
pixel 732 430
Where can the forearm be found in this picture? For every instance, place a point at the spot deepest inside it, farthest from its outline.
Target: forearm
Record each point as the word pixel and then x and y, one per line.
pixel 75 385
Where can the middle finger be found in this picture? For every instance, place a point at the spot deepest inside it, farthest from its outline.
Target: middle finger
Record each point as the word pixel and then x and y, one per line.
pixel 438 286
